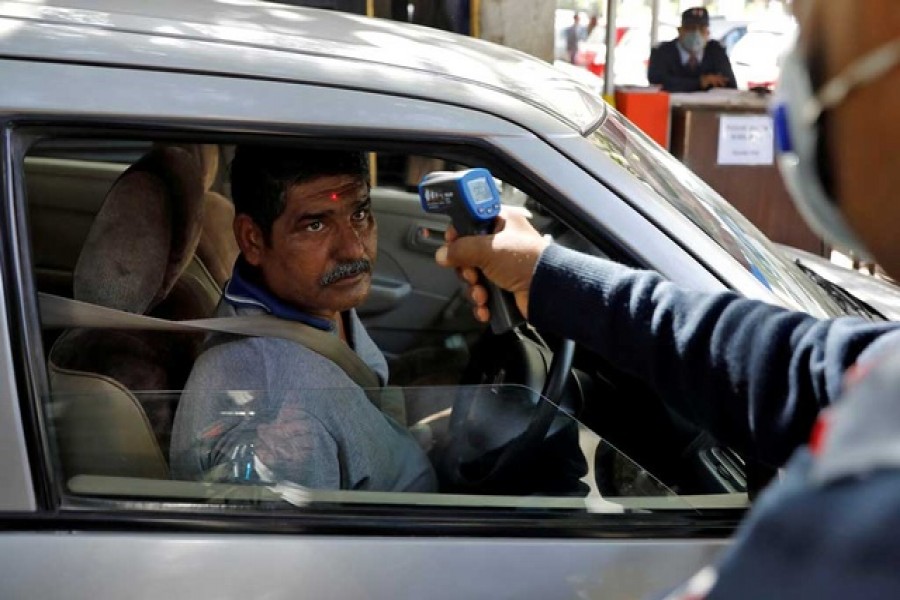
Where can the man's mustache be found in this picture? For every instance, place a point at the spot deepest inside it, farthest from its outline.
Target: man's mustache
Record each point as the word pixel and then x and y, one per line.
pixel 346 270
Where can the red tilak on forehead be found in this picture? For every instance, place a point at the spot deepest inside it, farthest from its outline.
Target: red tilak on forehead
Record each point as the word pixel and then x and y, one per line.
pixel 334 196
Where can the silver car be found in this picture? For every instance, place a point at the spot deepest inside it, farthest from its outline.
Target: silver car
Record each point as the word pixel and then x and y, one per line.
pixel 94 91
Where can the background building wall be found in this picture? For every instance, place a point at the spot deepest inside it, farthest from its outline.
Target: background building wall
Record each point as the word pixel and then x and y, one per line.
pixel 523 25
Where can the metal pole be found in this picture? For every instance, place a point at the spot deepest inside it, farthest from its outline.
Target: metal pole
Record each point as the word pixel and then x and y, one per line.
pixel 654 23
pixel 608 76
pixel 475 18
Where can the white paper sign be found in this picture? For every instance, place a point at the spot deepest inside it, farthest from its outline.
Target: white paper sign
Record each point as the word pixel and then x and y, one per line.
pixel 746 140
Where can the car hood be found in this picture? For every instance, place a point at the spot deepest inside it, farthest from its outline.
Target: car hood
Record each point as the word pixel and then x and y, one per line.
pixel 880 294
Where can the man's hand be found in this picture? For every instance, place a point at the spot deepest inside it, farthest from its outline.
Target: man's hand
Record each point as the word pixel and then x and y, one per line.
pixel 711 80
pixel 507 258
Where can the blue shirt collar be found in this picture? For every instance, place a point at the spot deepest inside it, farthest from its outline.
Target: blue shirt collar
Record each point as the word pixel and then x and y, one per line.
pixel 243 291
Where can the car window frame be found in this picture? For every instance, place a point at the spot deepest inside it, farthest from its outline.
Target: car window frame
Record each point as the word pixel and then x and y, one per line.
pixel 34 385
pixel 20 444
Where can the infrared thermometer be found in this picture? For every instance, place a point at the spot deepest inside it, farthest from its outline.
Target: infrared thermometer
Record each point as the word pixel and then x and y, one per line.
pixel 472 201
pixel 469 197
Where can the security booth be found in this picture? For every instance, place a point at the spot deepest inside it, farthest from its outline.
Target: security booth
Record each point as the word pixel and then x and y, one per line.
pixel 726 138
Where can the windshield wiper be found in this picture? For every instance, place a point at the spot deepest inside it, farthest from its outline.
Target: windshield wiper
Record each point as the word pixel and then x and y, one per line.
pixel 844 299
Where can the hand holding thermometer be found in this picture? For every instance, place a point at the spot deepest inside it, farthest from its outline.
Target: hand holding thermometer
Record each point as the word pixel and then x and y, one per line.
pixel 473 203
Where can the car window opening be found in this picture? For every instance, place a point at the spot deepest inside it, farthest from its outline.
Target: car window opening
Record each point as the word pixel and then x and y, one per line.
pixel 152 236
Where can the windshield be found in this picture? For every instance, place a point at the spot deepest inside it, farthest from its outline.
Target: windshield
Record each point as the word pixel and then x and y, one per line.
pixel 677 187
pixel 499 446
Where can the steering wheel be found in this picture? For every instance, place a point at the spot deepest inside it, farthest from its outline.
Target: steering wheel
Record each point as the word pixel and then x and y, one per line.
pixel 500 427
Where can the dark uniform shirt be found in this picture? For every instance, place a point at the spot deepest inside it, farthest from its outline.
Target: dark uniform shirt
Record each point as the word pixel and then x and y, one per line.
pixel 761 378
pixel 829 529
pixel 667 69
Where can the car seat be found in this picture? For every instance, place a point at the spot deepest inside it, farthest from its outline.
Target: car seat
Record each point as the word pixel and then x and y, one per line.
pixel 142 255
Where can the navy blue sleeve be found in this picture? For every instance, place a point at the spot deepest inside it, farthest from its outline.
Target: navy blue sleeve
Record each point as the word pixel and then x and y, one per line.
pixel 752 374
pixel 719 63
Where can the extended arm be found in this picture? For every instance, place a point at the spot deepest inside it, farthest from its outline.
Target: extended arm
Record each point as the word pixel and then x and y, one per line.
pixel 753 374
pixel 723 64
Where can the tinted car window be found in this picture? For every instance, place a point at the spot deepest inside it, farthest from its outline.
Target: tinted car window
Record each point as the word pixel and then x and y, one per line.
pixel 112 428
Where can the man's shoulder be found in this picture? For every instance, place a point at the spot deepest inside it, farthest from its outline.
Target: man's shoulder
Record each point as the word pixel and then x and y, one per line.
pixel 667 47
pixel 859 434
pixel 255 351
pixel 805 539
pixel 715 48
pixel 228 362
pixel 837 502
pixel 666 51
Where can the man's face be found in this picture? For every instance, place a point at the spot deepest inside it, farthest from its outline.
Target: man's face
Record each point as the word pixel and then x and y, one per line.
pixel 688 32
pixel 322 247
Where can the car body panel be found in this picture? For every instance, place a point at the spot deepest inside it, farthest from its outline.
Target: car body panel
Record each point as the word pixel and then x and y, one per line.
pixel 276 567
pixel 17 492
pixel 382 56
pixel 148 95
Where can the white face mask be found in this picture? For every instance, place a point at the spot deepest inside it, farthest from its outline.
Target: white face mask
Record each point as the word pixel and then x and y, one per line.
pixel 796 111
pixel 693 41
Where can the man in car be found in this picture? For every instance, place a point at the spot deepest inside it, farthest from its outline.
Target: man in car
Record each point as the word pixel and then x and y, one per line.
pixel 273 409
pixel 760 377
pixel 691 62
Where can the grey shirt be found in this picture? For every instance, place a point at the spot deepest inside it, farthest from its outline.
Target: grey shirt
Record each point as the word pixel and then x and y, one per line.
pixel 266 409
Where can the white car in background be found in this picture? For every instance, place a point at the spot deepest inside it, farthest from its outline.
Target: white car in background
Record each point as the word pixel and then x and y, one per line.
pixel 756 57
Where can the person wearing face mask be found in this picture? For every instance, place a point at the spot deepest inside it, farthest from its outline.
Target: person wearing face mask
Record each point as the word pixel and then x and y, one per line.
pixel 691 62
pixel 820 398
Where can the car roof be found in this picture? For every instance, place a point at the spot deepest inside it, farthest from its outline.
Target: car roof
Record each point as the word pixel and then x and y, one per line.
pixel 261 39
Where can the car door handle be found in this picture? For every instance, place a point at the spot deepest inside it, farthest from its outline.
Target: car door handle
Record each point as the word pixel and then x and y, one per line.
pixel 385 294
pixel 425 238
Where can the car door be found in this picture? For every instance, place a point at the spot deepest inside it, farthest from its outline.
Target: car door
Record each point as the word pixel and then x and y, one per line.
pixel 147 538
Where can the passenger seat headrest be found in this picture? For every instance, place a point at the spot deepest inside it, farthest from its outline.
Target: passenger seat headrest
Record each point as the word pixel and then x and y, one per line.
pixel 207 156
pixel 146 231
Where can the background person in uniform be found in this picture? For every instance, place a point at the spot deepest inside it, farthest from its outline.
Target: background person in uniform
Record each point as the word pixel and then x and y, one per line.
pixel 691 62
pixel 762 378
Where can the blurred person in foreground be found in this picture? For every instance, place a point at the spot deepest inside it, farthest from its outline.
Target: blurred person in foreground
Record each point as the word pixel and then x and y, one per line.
pixel 819 397
pixel 691 62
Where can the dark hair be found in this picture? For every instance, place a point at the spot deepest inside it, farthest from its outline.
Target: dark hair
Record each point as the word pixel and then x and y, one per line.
pixel 262 175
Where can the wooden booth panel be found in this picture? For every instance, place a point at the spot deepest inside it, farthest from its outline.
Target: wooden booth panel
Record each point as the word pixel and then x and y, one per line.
pixel 757 191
